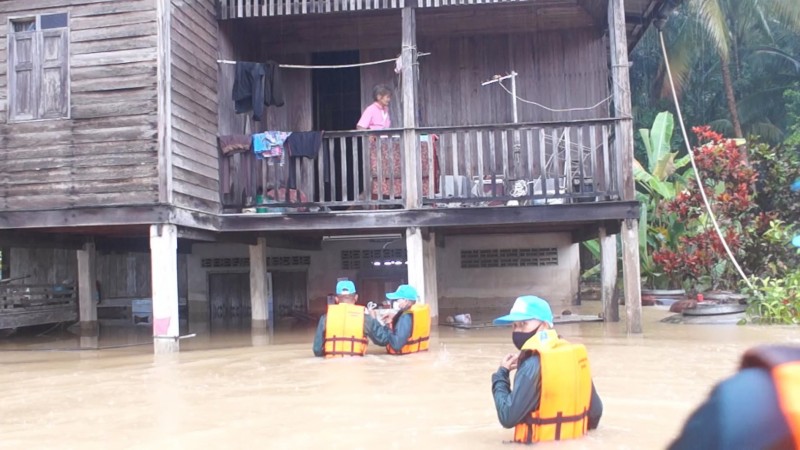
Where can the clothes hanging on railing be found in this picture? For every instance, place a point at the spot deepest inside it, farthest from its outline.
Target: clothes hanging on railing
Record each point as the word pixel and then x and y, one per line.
pixel 256 85
pixel 303 144
pixel 230 145
pixel 269 144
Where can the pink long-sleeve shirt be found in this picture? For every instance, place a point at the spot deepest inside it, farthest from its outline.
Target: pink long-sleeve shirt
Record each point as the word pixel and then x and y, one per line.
pixel 375 117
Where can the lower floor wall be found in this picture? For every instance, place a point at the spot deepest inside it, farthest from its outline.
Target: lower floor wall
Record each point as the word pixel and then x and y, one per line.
pixel 476 274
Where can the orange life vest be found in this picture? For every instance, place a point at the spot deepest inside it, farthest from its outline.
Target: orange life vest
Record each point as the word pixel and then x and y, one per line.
pixel 566 390
pixel 784 366
pixel 420 331
pixel 344 331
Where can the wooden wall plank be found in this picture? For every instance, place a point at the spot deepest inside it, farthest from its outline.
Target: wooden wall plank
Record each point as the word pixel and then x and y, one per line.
pixel 104 153
pixel 556 69
pixel 194 108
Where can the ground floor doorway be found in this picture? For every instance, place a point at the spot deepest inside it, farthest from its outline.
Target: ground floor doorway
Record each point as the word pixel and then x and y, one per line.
pixel 229 300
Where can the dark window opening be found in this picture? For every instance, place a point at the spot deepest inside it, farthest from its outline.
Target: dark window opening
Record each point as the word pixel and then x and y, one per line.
pixel 50 21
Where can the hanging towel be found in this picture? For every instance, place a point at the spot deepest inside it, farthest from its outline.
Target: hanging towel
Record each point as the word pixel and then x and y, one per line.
pixel 303 144
pixel 273 85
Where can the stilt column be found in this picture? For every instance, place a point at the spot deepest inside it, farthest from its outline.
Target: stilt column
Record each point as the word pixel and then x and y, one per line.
pixel 164 266
pixel 87 303
pixel 421 249
pixel 623 149
pixel 608 276
pixel 258 285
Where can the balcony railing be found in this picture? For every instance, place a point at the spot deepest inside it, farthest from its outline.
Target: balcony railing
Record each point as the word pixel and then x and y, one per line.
pixel 239 9
pixel 523 164
pixel 488 165
pixel 26 305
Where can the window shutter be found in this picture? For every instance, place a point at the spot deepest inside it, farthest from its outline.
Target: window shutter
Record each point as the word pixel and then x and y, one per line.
pixel 23 75
pixel 53 100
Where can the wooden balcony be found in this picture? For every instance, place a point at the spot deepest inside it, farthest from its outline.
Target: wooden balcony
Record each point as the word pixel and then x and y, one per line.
pixel 468 166
pixel 239 9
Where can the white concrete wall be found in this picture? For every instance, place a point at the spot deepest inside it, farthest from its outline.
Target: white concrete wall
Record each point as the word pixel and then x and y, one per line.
pixel 556 284
pixel 457 287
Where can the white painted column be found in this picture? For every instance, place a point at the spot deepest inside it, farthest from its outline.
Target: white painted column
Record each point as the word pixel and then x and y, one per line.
pixel 87 304
pixel 164 266
pixel 258 285
pixel 421 251
pixel 608 275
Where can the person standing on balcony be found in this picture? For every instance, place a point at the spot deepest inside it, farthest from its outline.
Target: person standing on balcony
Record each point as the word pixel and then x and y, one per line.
pixel 553 397
pixel 410 329
pixel 376 115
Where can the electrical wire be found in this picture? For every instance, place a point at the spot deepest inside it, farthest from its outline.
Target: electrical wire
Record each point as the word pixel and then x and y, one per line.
pixel 588 108
pixel 694 166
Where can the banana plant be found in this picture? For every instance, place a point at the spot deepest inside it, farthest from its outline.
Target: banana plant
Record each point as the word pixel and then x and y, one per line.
pixel 657 185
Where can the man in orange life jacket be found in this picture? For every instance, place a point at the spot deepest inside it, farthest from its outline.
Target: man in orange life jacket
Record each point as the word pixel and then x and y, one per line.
pixel 342 331
pixel 553 397
pixel 758 408
pixel 410 329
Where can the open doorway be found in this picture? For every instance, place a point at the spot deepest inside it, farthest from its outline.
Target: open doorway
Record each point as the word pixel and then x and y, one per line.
pixel 337 92
pixel 337 107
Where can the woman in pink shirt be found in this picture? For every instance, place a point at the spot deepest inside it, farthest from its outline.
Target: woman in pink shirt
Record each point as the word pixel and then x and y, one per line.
pixel 376 115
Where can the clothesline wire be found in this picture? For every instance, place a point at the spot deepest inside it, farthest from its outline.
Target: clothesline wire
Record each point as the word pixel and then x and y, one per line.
pixel 336 66
pixel 554 109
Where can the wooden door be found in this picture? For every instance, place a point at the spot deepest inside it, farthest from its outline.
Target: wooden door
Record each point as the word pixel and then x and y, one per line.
pixel 289 293
pixel 375 289
pixel 229 300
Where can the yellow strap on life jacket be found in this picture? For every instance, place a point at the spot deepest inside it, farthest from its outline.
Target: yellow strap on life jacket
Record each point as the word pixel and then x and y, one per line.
pixel 419 340
pixel 344 331
pixel 566 391
pixel 787 382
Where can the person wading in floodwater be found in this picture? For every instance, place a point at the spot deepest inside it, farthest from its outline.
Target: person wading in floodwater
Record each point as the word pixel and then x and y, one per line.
pixel 554 396
pixel 342 331
pixel 758 408
pixel 410 330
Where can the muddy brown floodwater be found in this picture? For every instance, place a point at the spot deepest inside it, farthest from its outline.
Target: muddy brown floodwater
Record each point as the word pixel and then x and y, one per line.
pixel 225 392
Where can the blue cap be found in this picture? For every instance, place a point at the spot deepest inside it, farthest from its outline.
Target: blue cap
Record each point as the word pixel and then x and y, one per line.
pixel 527 307
pixel 345 287
pixel 403 292
pixel 796 185
pixel 796 241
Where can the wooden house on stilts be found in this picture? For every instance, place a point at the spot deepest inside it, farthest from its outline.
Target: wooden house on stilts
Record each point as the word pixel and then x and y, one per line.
pixel 121 180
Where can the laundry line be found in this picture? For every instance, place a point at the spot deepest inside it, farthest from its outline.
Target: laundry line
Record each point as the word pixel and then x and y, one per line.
pixel 335 66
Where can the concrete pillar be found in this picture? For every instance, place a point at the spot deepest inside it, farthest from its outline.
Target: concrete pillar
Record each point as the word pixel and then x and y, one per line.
pixel 608 275
pixel 421 250
pixel 258 285
pixel 87 303
pixel 632 275
pixel 164 266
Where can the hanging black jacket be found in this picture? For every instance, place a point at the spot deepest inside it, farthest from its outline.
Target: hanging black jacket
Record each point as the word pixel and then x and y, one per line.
pixel 248 89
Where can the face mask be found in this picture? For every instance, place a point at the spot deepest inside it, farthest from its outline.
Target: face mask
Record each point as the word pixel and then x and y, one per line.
pixel 521 337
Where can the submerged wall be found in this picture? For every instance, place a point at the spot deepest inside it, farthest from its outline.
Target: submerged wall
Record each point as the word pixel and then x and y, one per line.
pixel 480 289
